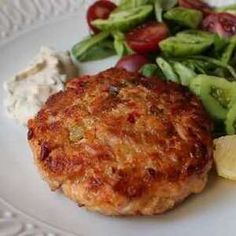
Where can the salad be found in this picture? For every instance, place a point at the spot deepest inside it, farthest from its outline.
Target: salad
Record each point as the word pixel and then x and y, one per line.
pixel 186 42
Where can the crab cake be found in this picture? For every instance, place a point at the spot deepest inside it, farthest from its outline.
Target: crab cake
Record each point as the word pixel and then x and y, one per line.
pixel 121 144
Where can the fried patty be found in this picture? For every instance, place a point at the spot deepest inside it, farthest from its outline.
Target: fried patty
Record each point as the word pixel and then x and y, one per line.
pixel 122 144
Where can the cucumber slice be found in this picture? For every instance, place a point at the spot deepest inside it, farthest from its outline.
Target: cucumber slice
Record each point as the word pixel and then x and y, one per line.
pixel 186 17
pixel 187 43
pixel 230 122
pixel 217 94
pixel 123 20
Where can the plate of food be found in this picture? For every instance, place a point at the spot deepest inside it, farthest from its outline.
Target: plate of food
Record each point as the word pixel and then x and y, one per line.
pixel 117 117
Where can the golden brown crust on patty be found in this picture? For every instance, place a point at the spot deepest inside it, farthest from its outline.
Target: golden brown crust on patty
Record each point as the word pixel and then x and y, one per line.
pixel 122 144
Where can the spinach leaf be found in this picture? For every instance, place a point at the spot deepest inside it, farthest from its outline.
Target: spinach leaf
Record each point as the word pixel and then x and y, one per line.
pixel 101 51
pixel 220 44
pixel 94 48
pixel 127 4
pixel 185 74
pixel 120 44
pixel 227 55
pixel 167 70
pixel 161 6
pixel 219 67
pixel 149 70
pixel 185 17
pixel 201 65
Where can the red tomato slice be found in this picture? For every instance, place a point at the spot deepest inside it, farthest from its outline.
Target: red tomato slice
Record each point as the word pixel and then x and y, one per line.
pixel 132 63
pixel 196 4
pixel 146 38
pixel 99 10
pixel 223 24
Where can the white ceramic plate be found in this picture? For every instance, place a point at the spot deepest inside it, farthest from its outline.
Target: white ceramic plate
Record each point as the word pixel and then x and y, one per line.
pixel 27 206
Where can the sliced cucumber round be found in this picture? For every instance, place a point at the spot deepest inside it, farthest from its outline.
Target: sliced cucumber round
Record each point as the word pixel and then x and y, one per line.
pixel 123 20
pixel 217 94
pixel 180 46
pixel 230 122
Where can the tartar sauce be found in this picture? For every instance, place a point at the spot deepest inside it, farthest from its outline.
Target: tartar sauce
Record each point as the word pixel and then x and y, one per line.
pixel 28 90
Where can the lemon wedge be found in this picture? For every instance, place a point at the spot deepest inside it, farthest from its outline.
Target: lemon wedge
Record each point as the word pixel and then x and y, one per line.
pixel 225 156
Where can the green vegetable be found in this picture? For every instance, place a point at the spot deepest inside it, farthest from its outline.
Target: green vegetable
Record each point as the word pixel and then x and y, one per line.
pixel 93 48
pixel 123 20
pixel 189 45
pixel 127 4
pixel 217 94
pixel 230 122
pixel 226 57
pixel 120 44
pixel 167 70
pixel 185 74
pixel 219 43
pixel 197 35
pixel 186 17
pixel 206 65
pixel 149 70
pixel 100 51
pixel 217 63
pixel 161 6
pixel 203 67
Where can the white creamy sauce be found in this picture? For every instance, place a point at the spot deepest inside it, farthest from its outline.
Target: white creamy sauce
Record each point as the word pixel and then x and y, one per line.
pixel 28 90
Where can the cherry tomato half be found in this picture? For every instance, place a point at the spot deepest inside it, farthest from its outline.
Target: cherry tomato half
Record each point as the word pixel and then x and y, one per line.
pixel 132 63
pixel 196 4
pixel 222 23
pixel 146 38
pixel 99 10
